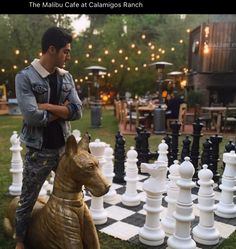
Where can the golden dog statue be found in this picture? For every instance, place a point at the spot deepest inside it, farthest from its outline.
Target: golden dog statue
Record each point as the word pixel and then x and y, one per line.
pixel 64 221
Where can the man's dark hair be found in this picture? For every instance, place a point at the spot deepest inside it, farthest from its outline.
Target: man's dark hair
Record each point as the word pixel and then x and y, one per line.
pixel 57 37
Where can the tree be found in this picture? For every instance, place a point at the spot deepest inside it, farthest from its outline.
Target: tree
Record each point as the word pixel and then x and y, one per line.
pixel 20 41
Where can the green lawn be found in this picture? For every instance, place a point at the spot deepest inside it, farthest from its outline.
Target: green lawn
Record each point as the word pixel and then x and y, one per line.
pixel 106 133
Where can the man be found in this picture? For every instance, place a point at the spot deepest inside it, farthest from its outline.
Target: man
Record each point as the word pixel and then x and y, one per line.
pixel 48 100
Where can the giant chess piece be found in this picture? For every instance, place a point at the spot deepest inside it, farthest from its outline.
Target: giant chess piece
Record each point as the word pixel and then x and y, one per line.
pixel 175 127
pixel 168 222
pixel 151 233
pixel 162 152
pixel 205 233
pixel 97 210
pixel 186 148
pixel 228 147
pixel 16 165
pixel 168 141
pixel 131 197
pixel 108 169
pixel 197 128
pixel 119 160
pixel 216 140
pixel 206 152
pixel 184 209
pixel 142 145
pixel 226 207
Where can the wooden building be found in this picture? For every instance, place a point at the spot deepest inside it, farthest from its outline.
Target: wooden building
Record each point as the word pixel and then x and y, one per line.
pixel 212 61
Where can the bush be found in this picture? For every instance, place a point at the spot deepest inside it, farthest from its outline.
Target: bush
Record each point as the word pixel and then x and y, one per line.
pixel 194 98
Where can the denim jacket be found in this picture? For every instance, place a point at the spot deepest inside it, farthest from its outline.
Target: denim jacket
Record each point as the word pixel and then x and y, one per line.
pixel 32 87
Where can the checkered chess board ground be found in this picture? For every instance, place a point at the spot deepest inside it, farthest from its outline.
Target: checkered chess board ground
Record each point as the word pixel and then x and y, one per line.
pixel 124 222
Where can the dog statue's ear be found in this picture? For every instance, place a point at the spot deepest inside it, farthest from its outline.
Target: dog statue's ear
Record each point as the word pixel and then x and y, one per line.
pixel 71 145
pixel 84 142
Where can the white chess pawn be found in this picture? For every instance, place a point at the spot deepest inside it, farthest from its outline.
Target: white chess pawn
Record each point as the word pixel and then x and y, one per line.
pixel 205 233
pixel 16 165
pixel 108 171
pixel 226 208
pixel 131 197
pixel 97 210
pixel 162 152
pixel 184 209
pixel 168 222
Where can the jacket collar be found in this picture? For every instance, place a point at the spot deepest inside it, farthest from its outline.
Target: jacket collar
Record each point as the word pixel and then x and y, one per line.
pixel 42 71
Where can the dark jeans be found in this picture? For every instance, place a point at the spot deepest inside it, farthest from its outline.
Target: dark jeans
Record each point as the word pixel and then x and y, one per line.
pixel 37 167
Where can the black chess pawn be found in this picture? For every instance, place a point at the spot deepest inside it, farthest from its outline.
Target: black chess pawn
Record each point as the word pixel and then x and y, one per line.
pixel 216 140
pixel 119 159
pixel 194 155
pixel 230 146
pixel 186 148
pixel 142 146
pixel 206 153
pixel 175 127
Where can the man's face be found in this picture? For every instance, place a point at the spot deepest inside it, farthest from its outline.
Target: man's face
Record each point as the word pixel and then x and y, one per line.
pixel 62 56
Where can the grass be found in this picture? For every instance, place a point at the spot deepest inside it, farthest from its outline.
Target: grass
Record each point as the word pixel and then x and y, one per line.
pixel 107 134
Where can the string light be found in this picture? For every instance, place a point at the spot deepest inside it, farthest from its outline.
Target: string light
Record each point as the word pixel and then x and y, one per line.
pixel 17 51
pixel 205 48
pixel 133 45
pixel 207 31
pixel 143 36
pixel 3 70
